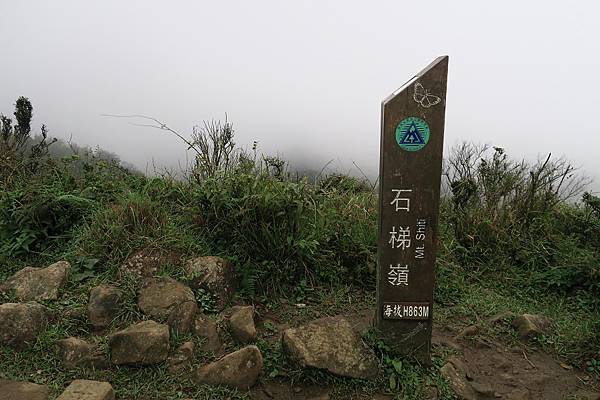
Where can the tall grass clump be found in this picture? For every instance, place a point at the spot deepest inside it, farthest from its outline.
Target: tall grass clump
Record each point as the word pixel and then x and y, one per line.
pixel 520 219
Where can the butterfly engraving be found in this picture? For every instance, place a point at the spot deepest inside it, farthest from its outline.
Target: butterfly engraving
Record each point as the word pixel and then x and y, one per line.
pixel 424 98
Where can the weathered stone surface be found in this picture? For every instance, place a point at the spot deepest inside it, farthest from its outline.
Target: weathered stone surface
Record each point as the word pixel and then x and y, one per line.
pixel 76 353
pixel 182 317
pixel 143 343
pixel 529 325
pixel 14 390
pixel 214 274
pixel 239 369
pixel 88 390
pixel 21 323
pixel 207 328
pixel 241 324
pixel 458 381
pixel 104 305
pixel 166 299
pixel 332 345
pixel 469 331
pixel 146 263
pixel 31 283
pixel 182 358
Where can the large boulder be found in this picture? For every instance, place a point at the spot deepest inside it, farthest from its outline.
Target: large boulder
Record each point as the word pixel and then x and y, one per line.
pixel 14 390
pixel 241 324
pixel 21 323
pixel 32 284
pixel 239 370
pixel 76 353
pixel 147 263
pixel 143 343
pixel 88 390
pixel 166 299
pixel 214 274
pixel 332 345
pixel 529 325
pixel 104 305
pixel 206 328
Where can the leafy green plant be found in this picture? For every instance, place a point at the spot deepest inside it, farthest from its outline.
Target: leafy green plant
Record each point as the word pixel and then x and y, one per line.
pixel 84 268
pixel 206 300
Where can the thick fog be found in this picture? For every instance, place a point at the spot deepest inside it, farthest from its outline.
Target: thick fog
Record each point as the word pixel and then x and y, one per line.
pixel 304 78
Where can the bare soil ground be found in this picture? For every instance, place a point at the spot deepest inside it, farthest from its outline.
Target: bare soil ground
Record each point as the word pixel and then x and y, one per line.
pixel 494 367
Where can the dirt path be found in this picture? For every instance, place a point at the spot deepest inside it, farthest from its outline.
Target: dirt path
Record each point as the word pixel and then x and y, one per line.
pixel 490 368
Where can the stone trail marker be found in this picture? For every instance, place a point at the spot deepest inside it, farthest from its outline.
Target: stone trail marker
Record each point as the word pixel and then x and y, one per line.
pixel 412 139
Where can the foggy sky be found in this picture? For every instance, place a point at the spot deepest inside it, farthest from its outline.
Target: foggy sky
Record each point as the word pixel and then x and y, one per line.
pixel 304 78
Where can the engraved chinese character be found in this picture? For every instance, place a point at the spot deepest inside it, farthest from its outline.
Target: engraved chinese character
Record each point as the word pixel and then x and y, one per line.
pixel 400 239
pixel 401 203
pixel 398 275
pixel 397 310
pixel 388 311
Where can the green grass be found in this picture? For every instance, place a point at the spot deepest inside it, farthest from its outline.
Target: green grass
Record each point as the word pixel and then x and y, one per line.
pixel 295 242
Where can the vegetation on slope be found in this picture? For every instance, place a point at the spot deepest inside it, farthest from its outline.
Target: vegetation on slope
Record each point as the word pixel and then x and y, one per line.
pixel 512 235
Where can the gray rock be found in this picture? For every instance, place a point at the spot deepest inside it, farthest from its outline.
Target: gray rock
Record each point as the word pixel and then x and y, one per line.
pixel 332 345
pixel 77 353
pixel 31 283
pixel 241 324
pixel 239 369
pixel 469 331
pixel 182 317
pixel 104 305
pixel 458 381
pixel 215 275
pixel 182 358
pixel 21 323
pixel 166 299
pixel 14 390
pixel 88 390
pixel 207 329
pixel 529 325
pixel 143 343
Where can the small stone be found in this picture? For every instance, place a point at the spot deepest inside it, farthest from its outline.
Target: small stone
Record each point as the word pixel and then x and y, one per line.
pixel 14 390
pixel 104 305
pixel 207 328
pixel 31 284
pixel 468 332
pixel 76 353
pixel 88 390
pixel 241 324
pixel 182 358
pixel 239 370
pixel 332 345
pixel 166 299
pixel 143 343
pixel 214 274
pixel 529 325
pixel 21 323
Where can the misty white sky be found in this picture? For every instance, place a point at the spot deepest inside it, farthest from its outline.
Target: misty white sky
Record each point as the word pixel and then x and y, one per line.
pixel 304 78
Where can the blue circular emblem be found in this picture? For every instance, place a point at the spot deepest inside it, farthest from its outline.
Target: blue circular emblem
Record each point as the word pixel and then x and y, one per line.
pixel 412 134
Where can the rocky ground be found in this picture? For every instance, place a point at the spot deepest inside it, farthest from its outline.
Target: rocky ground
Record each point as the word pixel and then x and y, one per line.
pixel 191 327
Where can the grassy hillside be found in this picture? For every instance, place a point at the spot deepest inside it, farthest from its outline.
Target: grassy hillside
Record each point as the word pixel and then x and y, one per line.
pixel 513 235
